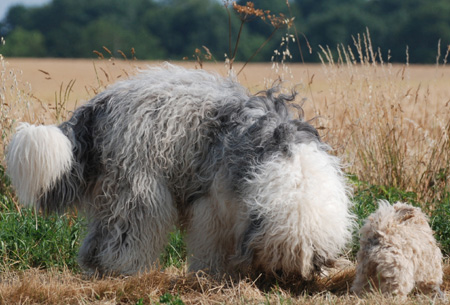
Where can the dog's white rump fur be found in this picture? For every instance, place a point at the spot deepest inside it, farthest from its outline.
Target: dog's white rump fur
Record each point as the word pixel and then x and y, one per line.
pixel 302 203
pixel 251 182
pixel 398 253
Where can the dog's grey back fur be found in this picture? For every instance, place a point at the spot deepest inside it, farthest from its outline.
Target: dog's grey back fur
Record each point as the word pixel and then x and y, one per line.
pixel 186 137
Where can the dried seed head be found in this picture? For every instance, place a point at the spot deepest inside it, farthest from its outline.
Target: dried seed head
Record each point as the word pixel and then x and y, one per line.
pixel 248 12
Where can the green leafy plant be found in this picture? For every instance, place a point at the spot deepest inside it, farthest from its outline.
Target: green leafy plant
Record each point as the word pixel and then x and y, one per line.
pixel 175 252
pixel 440 223
pixel 170 299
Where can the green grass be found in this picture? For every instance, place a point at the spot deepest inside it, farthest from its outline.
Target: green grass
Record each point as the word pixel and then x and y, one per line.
pixel 30 240
pixel 27 239
pixel 366 197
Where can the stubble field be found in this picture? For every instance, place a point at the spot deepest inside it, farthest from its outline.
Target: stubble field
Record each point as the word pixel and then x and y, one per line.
pixel 390 124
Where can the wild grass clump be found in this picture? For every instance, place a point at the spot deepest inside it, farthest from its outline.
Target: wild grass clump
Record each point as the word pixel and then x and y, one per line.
pixel 383 124
pixel 15 102
pixel 391 131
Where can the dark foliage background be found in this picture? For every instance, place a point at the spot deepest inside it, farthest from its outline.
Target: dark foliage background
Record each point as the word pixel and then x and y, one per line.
pixel 173 29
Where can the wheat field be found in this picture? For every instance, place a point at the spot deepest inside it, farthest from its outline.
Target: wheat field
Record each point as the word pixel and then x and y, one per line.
pixel 313 80
pixel 389 123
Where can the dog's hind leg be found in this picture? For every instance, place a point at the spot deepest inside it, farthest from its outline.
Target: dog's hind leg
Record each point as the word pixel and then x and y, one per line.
pixel 205 235
pixel 212 233
pixel 129 234
pixel 88 254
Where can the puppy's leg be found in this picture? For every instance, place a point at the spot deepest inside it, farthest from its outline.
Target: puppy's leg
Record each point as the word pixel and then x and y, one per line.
pixel 429 276
pixel 365 278
pixel 395 274
pixel 431 287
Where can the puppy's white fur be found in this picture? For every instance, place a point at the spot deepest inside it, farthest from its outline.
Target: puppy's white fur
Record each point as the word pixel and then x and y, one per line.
pixel 398 252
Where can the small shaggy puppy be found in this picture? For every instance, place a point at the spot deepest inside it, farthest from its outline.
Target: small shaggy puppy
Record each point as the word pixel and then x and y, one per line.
pixel 250 182
pixel 398 252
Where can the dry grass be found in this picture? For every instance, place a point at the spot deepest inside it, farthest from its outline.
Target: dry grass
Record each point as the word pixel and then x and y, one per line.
pixel 391 123
pixel 51 287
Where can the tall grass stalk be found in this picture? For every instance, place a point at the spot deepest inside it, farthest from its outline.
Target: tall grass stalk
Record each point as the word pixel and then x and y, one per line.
pixel 61 101
pixel 15 102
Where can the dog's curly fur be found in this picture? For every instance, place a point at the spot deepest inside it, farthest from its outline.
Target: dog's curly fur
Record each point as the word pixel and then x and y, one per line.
pixel 398 252
pixel 253 186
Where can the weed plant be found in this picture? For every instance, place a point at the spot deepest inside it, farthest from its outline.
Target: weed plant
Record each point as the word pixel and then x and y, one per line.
pixel 29 240
pixel 170 299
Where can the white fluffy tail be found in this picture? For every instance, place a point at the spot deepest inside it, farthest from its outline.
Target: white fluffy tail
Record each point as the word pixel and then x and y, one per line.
pixel 36 158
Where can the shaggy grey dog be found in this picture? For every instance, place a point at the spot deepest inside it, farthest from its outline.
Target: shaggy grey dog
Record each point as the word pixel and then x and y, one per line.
pixel 253 185
pixel 398 252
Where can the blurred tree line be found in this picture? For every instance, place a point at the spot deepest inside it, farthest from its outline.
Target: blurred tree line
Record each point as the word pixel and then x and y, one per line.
pixel 173 29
